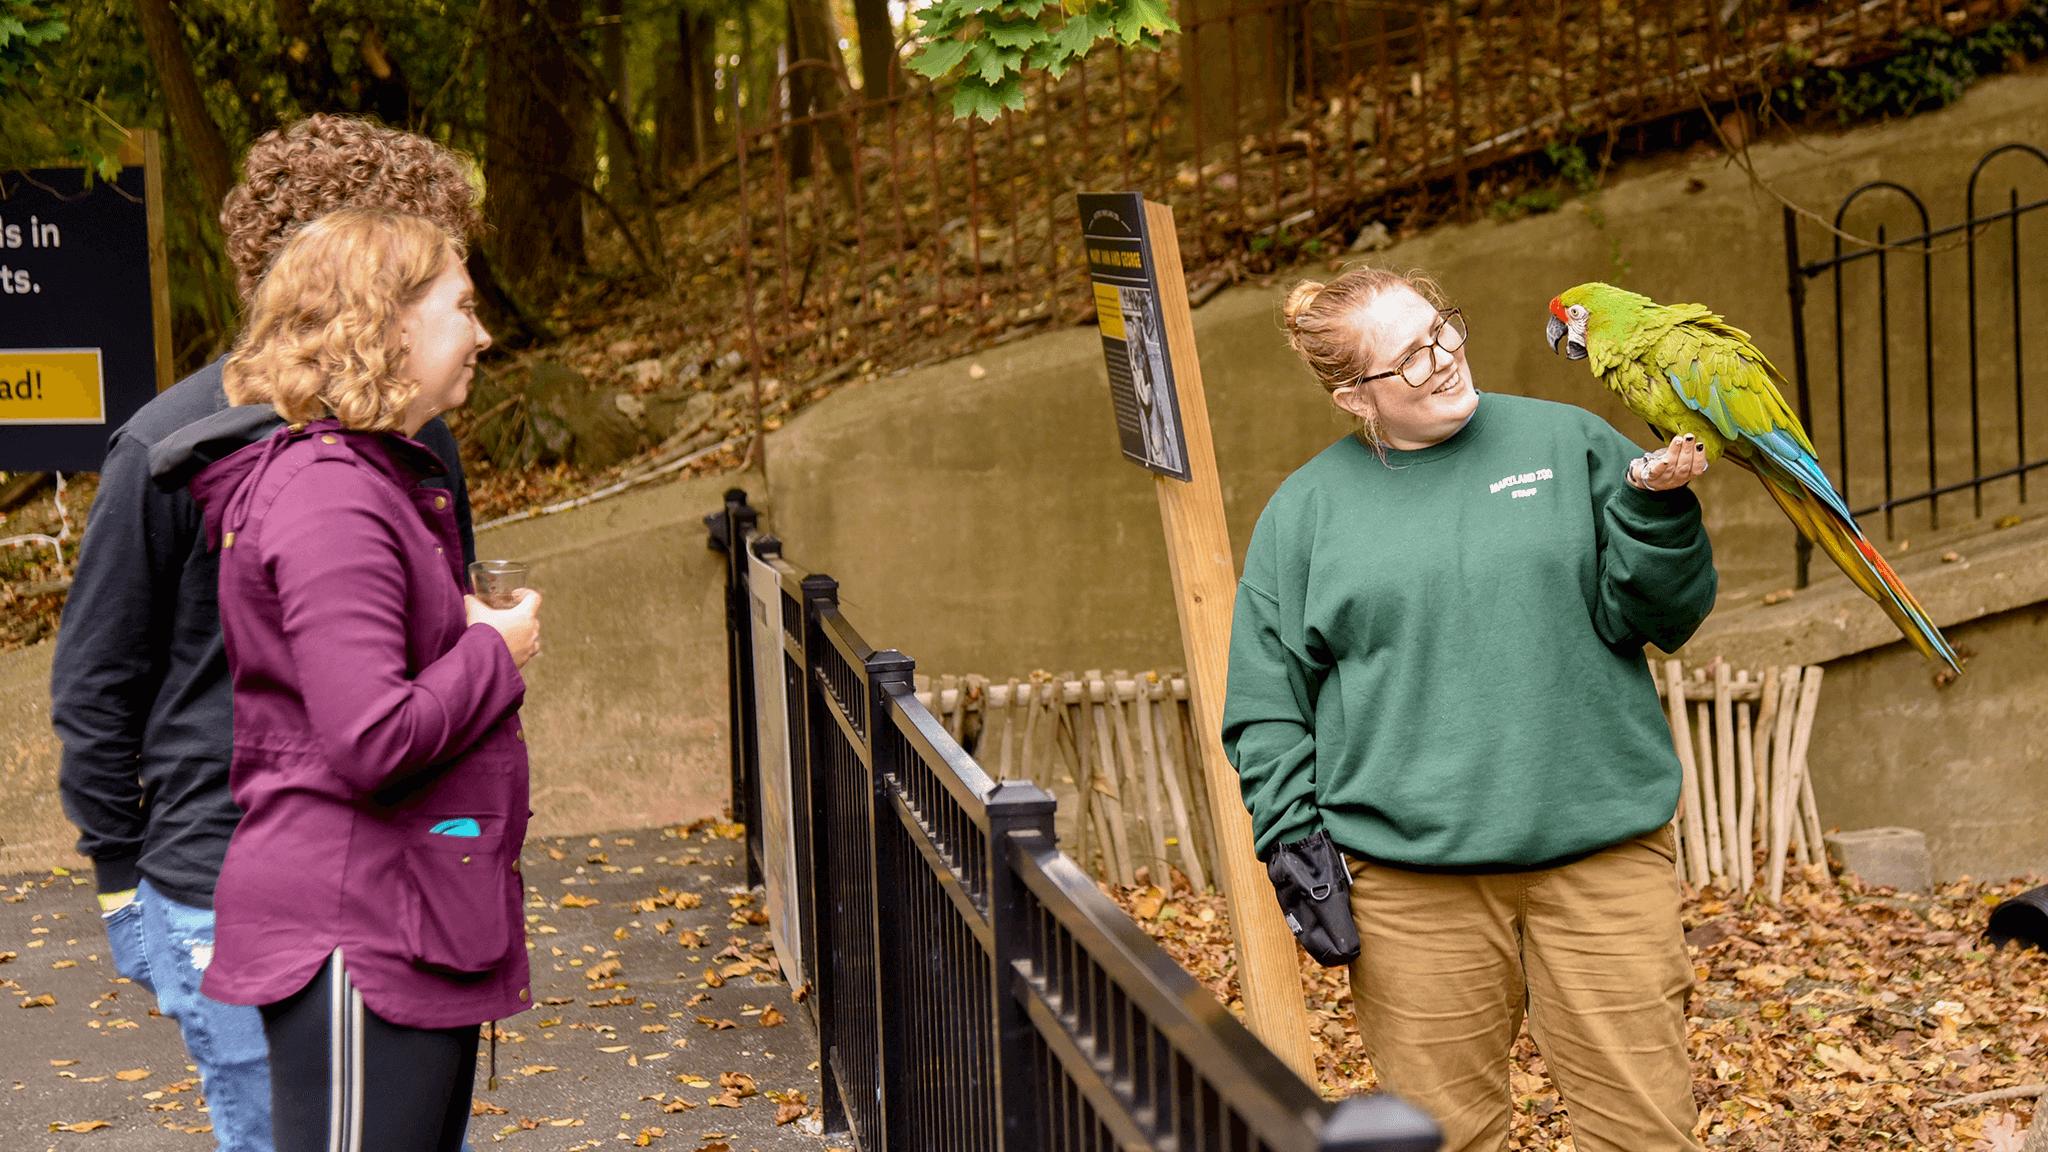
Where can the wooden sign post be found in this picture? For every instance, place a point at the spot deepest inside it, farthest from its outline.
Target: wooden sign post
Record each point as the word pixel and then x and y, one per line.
pixel 1148 335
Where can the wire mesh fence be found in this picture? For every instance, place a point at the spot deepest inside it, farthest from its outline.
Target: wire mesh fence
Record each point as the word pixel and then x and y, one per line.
pixel 1273 129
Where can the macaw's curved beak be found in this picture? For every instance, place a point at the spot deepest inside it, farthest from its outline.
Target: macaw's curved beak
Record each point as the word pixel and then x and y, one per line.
pixel 1561 331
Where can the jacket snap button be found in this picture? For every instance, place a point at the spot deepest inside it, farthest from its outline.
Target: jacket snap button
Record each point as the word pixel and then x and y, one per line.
pixel 329 440
pixel 522 993
pixel 520 735
pixel 465 859
pixel 228 541
pixel 440 501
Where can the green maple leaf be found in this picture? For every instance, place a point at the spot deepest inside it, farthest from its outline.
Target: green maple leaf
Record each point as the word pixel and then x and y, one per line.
pixel 1022 34
pixel 974 97
pixel 989 44
pixel 993 64
pixel 939 58
pixel 1134 18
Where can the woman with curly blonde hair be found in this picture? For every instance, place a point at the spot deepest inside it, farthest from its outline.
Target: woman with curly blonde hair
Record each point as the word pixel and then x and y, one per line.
pixel 369 902
pixel 140 688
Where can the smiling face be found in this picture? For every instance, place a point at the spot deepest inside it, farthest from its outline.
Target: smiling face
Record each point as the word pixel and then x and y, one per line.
pixel 444 337
pixel 1393 324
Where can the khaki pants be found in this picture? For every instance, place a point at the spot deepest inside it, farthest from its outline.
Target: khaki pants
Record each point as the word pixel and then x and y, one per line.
pixel 1594 952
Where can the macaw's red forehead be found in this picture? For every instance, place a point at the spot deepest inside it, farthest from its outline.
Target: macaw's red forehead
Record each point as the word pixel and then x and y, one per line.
pixel 1557 309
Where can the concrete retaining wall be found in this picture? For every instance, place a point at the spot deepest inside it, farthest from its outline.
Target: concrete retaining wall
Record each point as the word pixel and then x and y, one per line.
pixel 625 707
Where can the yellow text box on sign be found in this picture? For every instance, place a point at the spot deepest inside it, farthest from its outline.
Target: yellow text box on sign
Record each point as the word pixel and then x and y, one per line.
pixel 1109 311
pixel 51 386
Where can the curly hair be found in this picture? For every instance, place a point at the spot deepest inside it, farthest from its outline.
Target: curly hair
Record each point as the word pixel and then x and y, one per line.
pixel 295 175
pixel 1326 328
pixel 322 334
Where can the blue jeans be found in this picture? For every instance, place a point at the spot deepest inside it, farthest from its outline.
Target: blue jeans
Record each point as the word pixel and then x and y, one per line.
pixel 165 946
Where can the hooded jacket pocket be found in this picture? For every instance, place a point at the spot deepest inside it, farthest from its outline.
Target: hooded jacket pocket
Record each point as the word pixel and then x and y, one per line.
pixel 454 911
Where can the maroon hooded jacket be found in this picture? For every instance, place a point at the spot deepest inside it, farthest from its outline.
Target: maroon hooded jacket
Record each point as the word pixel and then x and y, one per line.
pixel 378 757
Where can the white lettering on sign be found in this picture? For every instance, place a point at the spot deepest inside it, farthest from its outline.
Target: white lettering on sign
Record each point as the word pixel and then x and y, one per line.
pixel 39 234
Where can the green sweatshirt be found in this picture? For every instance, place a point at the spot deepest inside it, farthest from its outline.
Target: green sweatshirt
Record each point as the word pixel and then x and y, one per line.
pixel 1439 658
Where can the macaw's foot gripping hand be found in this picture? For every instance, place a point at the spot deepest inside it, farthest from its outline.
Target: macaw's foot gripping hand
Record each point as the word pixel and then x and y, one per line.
pixel 1314 888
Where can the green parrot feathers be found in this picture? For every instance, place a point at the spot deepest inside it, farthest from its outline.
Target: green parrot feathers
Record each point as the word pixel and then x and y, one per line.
pixel 1711 368
pixel 1685 370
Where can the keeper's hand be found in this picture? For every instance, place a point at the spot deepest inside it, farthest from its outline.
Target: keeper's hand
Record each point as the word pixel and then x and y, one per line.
pixel 1670 467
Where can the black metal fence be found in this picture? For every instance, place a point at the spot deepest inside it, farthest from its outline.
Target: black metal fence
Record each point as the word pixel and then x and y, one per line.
pixel 972 988
pixel 1920 322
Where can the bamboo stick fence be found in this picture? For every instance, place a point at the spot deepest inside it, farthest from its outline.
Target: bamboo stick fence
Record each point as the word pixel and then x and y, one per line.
pixel 1747 801
pixel 1120 744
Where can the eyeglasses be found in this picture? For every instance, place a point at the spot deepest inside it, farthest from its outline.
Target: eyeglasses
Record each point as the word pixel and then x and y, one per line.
pixel 1415 369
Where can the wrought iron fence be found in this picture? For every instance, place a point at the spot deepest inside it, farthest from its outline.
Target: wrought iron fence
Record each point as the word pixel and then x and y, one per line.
pixel 972 988
pixel 1916 322
pixel 873 219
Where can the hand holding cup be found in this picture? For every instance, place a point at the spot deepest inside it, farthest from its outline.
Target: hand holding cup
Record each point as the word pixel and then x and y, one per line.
pixel 503 601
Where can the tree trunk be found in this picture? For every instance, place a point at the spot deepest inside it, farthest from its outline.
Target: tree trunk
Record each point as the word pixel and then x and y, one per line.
pixel 190 118
pixel 880 76
pixel 686 95
pixel 620 182
pixel 703 49
pixel 814 90
pixel 675 98
pixel 308 68
pixel 796 86
pixel 537 145
pixel 390 94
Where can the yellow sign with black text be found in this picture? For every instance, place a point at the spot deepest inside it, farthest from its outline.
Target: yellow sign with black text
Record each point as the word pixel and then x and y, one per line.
pixel 51 386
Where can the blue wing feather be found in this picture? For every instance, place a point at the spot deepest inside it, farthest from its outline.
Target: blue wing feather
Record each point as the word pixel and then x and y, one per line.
pixel 1779 444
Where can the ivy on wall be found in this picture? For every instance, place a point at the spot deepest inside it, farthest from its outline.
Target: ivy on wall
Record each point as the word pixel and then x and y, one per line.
pixel 1931 70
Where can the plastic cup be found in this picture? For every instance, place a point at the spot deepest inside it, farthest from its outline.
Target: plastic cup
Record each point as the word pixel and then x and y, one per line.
pixel 497 582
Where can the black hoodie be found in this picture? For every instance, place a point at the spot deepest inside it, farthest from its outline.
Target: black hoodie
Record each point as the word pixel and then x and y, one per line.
pixel 140 693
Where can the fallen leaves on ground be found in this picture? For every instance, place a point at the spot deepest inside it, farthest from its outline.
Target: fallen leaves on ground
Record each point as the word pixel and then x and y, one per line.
pixel 1839 1019
pixel 132 1074
pixel 479 1107
pixel 79 1126
pixel 44 1001
pixel 574 901
pixel 537 1069
pixel 790 1105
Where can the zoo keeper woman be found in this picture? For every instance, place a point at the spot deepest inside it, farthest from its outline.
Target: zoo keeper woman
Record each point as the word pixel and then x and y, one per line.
pixel 370 899
pixel 1438 660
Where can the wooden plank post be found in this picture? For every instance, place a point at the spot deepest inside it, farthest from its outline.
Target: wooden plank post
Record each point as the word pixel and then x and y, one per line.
pixel 1205 589
pixel 159 253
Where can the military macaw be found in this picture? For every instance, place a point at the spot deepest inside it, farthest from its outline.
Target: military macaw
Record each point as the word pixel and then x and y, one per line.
pixel 1686 370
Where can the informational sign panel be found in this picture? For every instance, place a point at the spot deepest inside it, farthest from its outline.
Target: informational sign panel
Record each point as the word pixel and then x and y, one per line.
pixel 1133 332
pixel 778 823
pixel 78 340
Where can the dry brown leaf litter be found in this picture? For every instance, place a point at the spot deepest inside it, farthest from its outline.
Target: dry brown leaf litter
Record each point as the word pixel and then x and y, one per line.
pixel 1840 1019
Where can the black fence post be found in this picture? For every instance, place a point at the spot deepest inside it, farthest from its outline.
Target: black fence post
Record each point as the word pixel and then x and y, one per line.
pixel 820 592
pixel 1013 806
pixel 729 528
pixel 1795 285
pixel 895 957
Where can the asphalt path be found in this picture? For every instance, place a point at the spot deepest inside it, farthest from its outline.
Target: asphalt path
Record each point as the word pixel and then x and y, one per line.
pixel 661 1017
